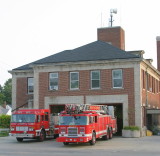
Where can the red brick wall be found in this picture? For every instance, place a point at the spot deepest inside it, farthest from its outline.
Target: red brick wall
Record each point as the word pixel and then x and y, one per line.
pixel 21 95
pixel 153 99
pixel 150 98
pixel 84 87
pixel 84 90
pixel 153 95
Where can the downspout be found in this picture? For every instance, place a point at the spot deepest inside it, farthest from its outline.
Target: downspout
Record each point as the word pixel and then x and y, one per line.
pixel 147 86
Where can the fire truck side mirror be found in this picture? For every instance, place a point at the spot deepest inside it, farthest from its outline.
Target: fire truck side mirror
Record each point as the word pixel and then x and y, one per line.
pixel 37 118
pixel 91 119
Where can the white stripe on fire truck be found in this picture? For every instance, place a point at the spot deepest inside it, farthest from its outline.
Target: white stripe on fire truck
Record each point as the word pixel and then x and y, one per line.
pixel 39 130
pixel 85 135
pixel 78 135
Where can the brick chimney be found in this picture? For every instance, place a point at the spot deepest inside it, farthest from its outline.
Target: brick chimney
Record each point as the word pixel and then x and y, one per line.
pixel 113 35
pixel 158 52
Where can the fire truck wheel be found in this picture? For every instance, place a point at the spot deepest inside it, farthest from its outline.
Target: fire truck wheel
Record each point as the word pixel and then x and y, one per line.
pixel 106 137
pixel 56 136
pixel 66 143
pixel 110 134
pixel 93 141
pixel 19 139
pixel 42 136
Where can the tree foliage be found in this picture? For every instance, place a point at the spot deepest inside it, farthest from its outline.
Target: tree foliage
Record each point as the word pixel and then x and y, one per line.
pixel 1 98
pixel 6 92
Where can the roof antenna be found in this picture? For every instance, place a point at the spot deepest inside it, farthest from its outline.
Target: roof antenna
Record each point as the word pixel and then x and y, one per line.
pixel 111 15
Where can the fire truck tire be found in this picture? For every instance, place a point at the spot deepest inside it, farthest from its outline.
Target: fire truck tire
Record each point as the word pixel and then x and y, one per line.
pixel 56 136
pixel 19 139
pixel 93 141
pixel 66 143
pixel 42 136
pixel 110 134
pixel 106 137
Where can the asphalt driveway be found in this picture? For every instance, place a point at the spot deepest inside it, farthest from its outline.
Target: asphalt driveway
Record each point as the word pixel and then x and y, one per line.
pixel 118 146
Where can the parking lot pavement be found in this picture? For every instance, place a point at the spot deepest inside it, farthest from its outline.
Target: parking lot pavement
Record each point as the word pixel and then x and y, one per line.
pixel 118 146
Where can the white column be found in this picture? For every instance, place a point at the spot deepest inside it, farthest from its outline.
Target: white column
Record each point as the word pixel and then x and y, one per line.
pixel 137 92
pixel 36 90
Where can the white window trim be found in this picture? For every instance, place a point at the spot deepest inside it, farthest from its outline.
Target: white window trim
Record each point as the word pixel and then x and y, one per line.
pixel 74 80
pixel 50 88
pixel 30 85
pixel 96 79
pixel 113 79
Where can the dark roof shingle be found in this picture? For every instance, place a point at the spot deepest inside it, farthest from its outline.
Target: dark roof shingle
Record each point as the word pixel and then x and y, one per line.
pixel 94 51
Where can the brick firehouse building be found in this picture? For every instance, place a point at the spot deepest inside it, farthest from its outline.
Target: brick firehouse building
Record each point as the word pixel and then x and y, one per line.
pixel 101 72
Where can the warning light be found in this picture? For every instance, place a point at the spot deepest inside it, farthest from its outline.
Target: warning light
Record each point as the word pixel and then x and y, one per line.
pixel 94 108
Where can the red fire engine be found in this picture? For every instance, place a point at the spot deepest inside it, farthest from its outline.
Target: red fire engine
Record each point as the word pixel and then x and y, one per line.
pixel 85 123
pixel 32 123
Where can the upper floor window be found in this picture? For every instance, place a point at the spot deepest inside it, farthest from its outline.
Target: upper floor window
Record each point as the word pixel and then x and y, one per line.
pixel 53 81
pixel 95 79
pixel 117 78
pixel 74 80
pixel 30 85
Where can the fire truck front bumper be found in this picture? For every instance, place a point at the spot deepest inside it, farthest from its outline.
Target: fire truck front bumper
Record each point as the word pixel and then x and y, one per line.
pixel 21 135
pixel 72 140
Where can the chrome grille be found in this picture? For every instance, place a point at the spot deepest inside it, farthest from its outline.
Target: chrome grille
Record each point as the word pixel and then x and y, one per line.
pixel 21 128
pixel 72 131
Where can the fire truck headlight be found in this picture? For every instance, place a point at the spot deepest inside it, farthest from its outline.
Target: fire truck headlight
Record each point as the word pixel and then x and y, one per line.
pixel 82 133
pixel 63 130
pixel 12 128
pixel 31 129
pixel 82 130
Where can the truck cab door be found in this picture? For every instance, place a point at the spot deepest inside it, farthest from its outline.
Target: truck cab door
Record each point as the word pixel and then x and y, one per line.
pixel 45 121
pixel 96 123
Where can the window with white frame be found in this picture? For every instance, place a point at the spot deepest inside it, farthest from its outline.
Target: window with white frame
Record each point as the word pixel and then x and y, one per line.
pixel 95 79
pixel 30 85
pixel 74 80
pixel 117 78
pixel 53 81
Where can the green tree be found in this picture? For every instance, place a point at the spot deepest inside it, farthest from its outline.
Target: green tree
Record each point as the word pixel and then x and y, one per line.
pixel 1 95
pixel 1 88
pixel 1 98
pixel 6 92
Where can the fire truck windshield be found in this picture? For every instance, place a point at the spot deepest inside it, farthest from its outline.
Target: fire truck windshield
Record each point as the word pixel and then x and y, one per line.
pixel 73 120
pixel 23 118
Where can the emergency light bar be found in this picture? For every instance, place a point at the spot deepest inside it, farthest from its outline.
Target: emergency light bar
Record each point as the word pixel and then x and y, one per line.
pixel 94 108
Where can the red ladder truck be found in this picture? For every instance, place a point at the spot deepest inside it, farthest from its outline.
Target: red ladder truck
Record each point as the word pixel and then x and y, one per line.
pixel 85 123
pixel 32 123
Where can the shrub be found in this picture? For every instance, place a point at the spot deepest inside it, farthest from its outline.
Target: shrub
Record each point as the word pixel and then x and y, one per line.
pixel 132 128
pixel 3 133
pixel 5 121
pixel 155 130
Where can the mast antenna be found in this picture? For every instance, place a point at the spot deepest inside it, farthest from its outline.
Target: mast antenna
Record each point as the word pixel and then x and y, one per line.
pixel 112 11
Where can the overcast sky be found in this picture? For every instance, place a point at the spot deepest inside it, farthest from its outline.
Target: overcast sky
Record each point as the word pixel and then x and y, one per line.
pixel 33 29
